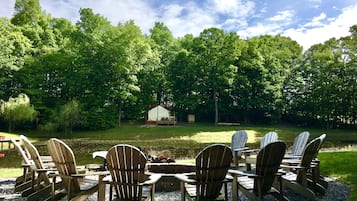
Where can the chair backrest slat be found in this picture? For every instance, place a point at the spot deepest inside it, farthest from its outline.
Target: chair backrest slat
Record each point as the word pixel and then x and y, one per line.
pixel 300 143
pixel 33 152
pixel 126 164
pixel 65 162
pixel 268 162
pixel 239 139
pixel 21 152
pixel 268 138
pixel 212 164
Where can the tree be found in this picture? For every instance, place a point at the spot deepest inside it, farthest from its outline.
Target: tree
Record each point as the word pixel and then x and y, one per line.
pixel 17 110
pixel 26 12
pixel 15 48
pixel 215 53
pixel 263 69
pixel 165 46
pixel 69 115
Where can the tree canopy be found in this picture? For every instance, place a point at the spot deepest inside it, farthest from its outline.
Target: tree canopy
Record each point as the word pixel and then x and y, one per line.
pixel 96 74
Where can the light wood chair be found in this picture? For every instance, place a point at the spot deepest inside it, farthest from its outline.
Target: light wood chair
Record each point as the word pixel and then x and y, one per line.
pixel 41 186
pixel 78 186
pixel 212 164
pixel 256 185
pixel 23 182
pixel 239 139
pixel 126 164
pixel 44 158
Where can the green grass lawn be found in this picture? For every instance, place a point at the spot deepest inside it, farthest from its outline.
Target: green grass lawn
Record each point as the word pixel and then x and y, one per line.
pixel 342 166
pixel 185 141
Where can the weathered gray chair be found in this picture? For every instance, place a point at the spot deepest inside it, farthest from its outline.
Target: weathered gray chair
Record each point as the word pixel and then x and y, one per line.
pixel 126 164
pixel 298 147
pixel 296 179
pixel 267 139
pixel 319 183
pixel 256 185
pixel 212 165
pixel 239 139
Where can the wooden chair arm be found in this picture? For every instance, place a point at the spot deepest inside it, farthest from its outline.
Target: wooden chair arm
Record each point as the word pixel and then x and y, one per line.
pixel 238 172
pixel 153 178
pixel 241 149
pixel 292 157
pixel 249 151
pixel 45 170
pixel 185 178
pixel 295 167
pixel 97 173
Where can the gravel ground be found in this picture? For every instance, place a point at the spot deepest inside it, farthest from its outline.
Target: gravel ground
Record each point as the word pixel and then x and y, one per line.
pixel 336 192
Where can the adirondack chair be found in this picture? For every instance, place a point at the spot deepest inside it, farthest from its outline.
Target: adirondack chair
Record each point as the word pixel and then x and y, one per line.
pixel 126 164
pixel 238 145
pixel 44 159
pixel 297 178
pixel 24 181
pixel 298 147
pixel 320 184
pixel 78 186
pixel 255 186
pixel 212 164
pixel 41 185
pixel 251 159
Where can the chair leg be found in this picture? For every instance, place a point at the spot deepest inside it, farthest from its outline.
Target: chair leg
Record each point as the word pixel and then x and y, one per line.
pixel 235 194
pixel 182 187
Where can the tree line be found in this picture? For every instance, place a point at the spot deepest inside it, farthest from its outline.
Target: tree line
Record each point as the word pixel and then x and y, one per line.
pixel 92 74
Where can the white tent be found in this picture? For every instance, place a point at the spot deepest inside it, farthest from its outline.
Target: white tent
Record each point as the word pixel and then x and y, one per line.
pixel 158 113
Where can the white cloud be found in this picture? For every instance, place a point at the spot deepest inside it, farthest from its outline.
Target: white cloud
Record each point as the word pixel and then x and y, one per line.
pixel 285 15
pixel 233 8
pixel 260 29
pixel 115 11
pixel 316 21
pixel 186 18
pixel 337 28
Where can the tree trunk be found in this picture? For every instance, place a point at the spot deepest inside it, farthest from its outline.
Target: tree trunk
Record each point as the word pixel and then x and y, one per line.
pixel 119 114
pixel 215 107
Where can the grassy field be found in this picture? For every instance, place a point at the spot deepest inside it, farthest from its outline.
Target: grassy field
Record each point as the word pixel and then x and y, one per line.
pixel 185 141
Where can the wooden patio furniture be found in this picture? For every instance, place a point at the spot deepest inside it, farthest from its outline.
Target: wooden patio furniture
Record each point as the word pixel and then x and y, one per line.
pixel 41 186
pixel 212 165
pixel 23 182
pixel 256 185
pixel 77 185
pixel 126 164
pixel 299 144
pixel 296 178
pixel 239 139
pixel 251 159
pixel 44 158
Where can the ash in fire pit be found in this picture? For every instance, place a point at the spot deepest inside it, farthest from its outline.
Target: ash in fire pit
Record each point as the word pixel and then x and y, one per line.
pixel 163 157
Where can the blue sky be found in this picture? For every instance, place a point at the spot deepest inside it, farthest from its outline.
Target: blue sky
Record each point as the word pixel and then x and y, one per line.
pixel 306 21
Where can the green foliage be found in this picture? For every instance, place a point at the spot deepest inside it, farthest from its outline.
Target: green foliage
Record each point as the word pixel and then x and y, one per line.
pixel 69 116
pixel 17 110
pixel 26 12
pixel 117 72
pixel 99 118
